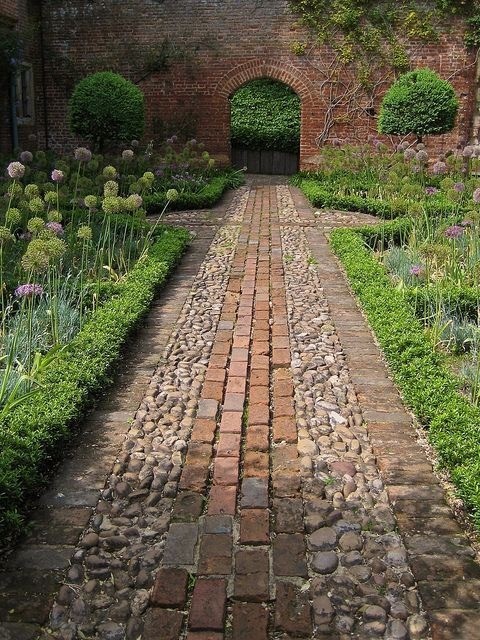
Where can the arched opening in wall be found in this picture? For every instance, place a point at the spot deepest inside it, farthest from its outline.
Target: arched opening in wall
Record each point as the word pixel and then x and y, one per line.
pixel 265 127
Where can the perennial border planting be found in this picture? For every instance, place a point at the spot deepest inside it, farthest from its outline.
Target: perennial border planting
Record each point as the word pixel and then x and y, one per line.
pixel 31 435
pixel 428 388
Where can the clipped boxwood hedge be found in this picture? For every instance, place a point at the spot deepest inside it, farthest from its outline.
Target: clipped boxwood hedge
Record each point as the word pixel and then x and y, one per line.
pixel 325 195
pixel 32 434
pixel 203 199
pixel 266 115
pixel 427 386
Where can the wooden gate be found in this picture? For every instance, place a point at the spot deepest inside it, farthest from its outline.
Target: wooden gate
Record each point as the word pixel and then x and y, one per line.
pixel 265 161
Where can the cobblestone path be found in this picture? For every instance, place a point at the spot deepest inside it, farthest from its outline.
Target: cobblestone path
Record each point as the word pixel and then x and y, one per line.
pixel 263 481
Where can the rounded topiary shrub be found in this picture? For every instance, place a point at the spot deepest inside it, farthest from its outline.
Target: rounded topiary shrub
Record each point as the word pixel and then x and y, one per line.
pixel 266 115
pixel 107 107
pixel 419 102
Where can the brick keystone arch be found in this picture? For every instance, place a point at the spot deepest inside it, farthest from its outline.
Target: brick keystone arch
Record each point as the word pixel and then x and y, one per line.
pixel 281 70
pixel 254 69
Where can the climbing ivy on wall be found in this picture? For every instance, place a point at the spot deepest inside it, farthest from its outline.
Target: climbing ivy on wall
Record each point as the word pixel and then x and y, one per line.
pixel 362 28
pixel 370 42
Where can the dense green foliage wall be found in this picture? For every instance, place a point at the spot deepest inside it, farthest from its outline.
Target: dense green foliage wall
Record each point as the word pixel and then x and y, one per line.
pixel 266 115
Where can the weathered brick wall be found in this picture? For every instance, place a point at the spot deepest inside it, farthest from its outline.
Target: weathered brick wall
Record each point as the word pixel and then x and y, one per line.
pixel 23 16
pixel 214 47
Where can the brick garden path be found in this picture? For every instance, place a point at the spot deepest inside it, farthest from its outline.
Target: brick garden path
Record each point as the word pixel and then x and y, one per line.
pixel 269 485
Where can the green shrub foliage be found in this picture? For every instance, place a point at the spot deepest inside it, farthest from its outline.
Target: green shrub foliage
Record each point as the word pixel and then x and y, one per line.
pixel 107 107
pixel 427 386
pixel 419 102
pixel 266 115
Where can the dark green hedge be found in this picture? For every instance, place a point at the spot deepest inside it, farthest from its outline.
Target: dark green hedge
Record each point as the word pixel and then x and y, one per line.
pixel 204 199
pixel 266 115
pixel 32 435
pixel 325 195
pixel 427 386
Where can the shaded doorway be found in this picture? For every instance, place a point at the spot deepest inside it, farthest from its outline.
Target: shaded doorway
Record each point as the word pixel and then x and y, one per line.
pixel 265 127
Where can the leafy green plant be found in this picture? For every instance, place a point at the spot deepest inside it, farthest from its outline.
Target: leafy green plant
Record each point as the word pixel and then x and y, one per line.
pixel 418 103
pixel 266 115
pixel 105 107
pixel 427 385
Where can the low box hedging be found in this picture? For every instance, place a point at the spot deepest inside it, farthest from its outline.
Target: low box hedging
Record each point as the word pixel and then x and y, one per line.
pixel 207 197
pixel 427 386
pixel 326 195
pixel 32 434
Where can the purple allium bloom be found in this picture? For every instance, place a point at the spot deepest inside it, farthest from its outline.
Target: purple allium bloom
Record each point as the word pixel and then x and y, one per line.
pixel 431 191
pixel 476 196
pixel 422 156
pixel 439 168
pixel 28 290
pixel 409 154
pixel 16 170
pixel 26 235
pixel 26 157
pixel 127 154
pixel 416 270
pixel 468 152
pixel 459 187
pixel 336 142
pixel 82 154
pixel 56 227
pixel 467 223
pixel 57 175
pixel 455 231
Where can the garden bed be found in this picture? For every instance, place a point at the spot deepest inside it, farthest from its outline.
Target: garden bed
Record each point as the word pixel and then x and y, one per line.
pixel 32 435
pixel 421 370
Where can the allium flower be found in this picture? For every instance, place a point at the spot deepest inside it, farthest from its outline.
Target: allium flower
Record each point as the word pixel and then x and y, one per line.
pixel 109 172
pixel 5 235
pixel 36 205
pixel 409 154
pixel 421 146
pixel 172 195
pixel 110 188
pixel 31 191
pixel 16 170
pixel 468 151
pixel 35 225
pixel 439 168
pixel 422 156
pixel 466 223
pixel 84 232
pixel 26 157
pixel 149 176
pixel 133 202
pixel 476 151
pixel 127 154
pixel 111 204
pixel 134 143
pixel 459 187
pixel 455 231
pixel 54 216
pixel 50 197
pixel 416 270
pixel 82 154
pixel 57 175
pixel 56 227
pixel 476 196
pixel 91 202
pixel 28 290
pixel 13 216
pixel 431 191
pixel 191 142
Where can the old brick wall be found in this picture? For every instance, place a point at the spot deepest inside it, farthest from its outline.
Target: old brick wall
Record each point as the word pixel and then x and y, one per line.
pixel 23 16
pixel 204 51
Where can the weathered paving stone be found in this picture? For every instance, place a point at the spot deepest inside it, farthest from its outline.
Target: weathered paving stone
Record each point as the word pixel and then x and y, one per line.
pixel 292 611
pixel 180 544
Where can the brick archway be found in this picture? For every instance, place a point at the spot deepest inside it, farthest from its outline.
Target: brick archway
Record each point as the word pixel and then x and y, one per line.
pixel 280 70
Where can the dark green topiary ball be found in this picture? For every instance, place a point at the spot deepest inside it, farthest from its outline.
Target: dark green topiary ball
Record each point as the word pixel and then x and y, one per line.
pixel 107 107
pixel 419 102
